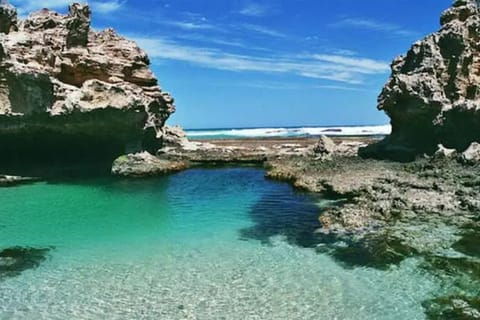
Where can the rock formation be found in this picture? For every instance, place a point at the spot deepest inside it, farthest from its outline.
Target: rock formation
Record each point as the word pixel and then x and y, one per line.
pixel 68 91
pixel 144 164
pixel 8 17
pixel 433 95
pixel 325 147
pixel 472 154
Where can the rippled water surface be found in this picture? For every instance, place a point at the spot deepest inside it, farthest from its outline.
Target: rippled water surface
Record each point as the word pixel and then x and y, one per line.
pixel 202 244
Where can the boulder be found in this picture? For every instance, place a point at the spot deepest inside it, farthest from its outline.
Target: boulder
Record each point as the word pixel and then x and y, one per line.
pixel 145 165
pixel 444 153
pixel 15 260
pixel 324 146
pixel 472 154
pixel 433 94
pixel 174 136
pixel 67 91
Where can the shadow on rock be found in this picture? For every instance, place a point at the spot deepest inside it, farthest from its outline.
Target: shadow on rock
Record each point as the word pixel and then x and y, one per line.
pixel 13 261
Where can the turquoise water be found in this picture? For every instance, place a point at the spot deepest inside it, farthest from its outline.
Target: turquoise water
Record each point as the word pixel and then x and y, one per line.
pixel 201 244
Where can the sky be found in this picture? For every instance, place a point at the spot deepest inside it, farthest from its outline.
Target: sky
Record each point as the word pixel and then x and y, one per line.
pixel 264 63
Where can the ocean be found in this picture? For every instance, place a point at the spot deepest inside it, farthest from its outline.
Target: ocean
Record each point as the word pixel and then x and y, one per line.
pixel 289 132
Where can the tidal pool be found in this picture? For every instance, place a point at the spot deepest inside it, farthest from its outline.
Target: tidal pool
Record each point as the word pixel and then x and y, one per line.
pixel 201 244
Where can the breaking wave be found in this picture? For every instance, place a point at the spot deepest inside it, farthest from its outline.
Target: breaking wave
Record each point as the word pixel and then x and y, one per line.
pixel 379 130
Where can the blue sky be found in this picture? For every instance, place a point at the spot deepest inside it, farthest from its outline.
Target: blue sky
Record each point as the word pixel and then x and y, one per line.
pixel 249 63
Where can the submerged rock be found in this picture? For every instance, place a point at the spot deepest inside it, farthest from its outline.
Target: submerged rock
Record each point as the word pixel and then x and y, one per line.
pixel 469 244
pixel 14 261
pixel 378 251
pixel 69 91
pixel 433 95
pixel 453 307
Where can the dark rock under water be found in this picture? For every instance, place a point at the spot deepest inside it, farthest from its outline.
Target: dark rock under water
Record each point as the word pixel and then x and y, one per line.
pixel 15 260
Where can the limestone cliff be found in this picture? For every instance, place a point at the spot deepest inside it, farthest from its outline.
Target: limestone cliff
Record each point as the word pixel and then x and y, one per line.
pixel 433 94
pixel 67 90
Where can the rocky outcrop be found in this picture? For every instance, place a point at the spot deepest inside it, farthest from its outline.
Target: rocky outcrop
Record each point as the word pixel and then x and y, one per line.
pixel 250 152
pixel 144 164
pixel 444 153
pixel 324 147
pixel 8 17
pixel 472 154
pixel 67 90
pixel 433 95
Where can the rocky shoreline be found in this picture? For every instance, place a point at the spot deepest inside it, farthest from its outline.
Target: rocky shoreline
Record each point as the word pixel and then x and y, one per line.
pixel 376 213
pixel 375 194
pixel 68 91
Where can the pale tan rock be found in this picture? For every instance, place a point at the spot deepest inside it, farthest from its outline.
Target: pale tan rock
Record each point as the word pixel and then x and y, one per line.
pixel 144 165
pixel 433 94
pixel 59 76
pixel 444 153
pixel 472 154
pixel 324 146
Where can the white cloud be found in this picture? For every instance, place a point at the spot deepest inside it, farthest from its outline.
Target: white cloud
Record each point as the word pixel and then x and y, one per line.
pixel 330 67
pixel 255 10
pixel 263 30
pixel 368 24
pixel 107 6
pixel 344 52
pixel 26 6
pixel 190 25
pixel 292 86
pixel 222 41
pixel 354 62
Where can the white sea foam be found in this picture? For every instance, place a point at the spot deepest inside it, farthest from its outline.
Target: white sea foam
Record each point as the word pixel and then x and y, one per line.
pixel 292 132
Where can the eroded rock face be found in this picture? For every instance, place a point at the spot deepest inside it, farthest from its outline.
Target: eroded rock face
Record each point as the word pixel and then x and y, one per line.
pixel 68 90
pixel 433 95
pixel 8 17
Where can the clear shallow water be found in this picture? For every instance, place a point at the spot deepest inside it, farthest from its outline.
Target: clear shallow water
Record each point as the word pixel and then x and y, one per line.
pixel 202 244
